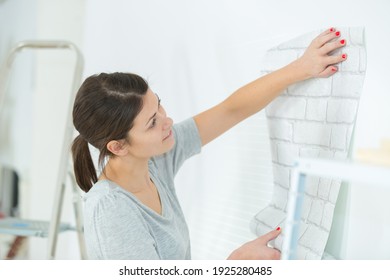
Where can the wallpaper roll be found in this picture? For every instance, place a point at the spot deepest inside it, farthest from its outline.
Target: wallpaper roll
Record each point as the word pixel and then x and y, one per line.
pixel 314 118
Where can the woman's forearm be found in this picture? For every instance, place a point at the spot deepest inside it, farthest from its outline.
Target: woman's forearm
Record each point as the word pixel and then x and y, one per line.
pixel 256 95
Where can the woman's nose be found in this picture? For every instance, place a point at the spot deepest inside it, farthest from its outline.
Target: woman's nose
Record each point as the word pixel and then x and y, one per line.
pixel 167 123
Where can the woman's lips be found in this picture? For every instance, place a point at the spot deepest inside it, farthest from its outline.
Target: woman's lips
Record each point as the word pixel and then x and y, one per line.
pixel 169 135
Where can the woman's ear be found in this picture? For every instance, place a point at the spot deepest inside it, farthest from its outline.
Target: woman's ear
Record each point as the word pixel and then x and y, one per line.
pixel 116 147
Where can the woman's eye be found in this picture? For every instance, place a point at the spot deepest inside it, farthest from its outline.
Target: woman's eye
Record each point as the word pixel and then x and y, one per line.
pixel 154 121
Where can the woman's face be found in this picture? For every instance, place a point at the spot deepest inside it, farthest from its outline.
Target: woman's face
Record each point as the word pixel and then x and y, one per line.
pixel 152 133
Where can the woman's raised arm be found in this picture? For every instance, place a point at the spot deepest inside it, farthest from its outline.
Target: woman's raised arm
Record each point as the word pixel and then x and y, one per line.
pixel 251 98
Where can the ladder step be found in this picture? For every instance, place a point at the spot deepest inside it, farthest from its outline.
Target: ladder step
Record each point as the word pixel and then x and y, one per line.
pixel 24 227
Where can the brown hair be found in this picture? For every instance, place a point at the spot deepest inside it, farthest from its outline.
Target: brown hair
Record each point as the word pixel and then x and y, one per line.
pixel 104 109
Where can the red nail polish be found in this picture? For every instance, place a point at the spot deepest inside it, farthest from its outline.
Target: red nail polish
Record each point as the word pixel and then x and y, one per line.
pixel 344 56
pixel 331 29
pixel 337 33
pixel 278 228
pixel 342 42
pixel 334 69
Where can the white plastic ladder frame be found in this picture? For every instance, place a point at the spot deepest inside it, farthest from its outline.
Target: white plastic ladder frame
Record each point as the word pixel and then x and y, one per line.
pixel 343 170
pixel 64 169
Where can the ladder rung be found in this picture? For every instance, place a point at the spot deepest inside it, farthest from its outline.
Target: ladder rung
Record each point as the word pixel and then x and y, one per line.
pixel 24 227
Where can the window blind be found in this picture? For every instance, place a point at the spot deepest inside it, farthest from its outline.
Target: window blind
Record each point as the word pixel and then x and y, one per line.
pixel 225 187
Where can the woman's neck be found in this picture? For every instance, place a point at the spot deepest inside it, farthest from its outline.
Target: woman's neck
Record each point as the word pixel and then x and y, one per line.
pixel 132 175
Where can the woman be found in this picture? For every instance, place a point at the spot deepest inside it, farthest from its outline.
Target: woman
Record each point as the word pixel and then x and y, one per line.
pixel 131 208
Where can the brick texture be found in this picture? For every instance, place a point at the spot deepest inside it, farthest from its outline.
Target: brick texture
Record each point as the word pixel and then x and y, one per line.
pixel 314 118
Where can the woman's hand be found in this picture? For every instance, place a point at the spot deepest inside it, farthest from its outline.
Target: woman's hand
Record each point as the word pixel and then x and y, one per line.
pixel 316 61
pixel 257 249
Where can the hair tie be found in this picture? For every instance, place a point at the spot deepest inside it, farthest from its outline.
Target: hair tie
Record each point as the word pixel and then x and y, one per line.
pixel 83 138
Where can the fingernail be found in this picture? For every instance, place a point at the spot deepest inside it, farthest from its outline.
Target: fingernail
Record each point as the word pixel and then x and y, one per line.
pixel 331 29
pixel 344 56
pixel 334 69
pixel 342 42
pixel 337 33
pixel 278 228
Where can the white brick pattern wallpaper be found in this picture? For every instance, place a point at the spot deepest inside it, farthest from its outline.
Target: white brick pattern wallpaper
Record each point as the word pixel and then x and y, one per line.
pixel 314 118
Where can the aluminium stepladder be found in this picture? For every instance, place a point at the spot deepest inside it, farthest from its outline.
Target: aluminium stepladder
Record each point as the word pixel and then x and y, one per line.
pixel 54 227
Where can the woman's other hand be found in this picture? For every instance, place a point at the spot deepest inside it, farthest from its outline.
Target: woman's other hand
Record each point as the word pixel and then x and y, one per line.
pixel 257 249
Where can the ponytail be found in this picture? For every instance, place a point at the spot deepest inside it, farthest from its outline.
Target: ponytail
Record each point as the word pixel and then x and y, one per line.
pixel 83 166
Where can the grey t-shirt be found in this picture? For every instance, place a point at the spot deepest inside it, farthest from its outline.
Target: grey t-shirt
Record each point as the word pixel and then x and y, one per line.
pixel 118 226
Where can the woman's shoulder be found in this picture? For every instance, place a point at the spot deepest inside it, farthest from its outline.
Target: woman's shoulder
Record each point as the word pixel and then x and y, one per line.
pixel 106 195
pixel 100 189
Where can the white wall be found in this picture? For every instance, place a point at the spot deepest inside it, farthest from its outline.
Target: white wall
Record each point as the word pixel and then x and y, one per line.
pixel 194 53
pixel 17 22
